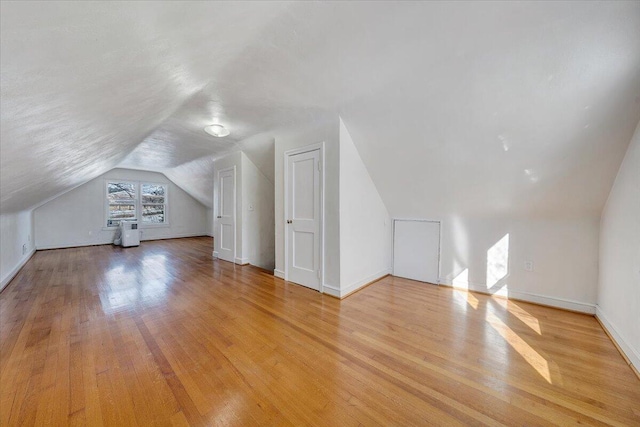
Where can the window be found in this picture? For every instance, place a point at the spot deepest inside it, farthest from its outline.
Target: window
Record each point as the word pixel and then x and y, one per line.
pixel 122 202
pixel 154 203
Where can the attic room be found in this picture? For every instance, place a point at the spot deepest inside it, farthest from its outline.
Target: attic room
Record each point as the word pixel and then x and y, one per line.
pixel 319 213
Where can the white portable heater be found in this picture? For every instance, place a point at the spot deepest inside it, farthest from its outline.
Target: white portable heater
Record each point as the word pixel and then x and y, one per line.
pixel 129 233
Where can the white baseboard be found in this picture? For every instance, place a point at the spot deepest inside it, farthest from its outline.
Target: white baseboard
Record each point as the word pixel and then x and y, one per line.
pixel 110 241
pixel 557 302
pixel 632 354
pixel 9 277
pixel 472 286
pixel 173 236
pixel 331 290
pixel 70 245
pixel 278 273
pixel 349 289
pixel 241 261
pixel 341 292
pixel 564 303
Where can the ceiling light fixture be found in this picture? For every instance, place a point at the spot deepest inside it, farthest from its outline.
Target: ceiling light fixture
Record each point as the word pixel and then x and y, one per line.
pixel 216 130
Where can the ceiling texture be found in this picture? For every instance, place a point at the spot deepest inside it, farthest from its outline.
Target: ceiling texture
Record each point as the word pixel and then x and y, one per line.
pixel 500 107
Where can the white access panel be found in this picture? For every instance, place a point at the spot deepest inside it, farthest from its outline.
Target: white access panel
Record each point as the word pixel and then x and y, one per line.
pixel 416 250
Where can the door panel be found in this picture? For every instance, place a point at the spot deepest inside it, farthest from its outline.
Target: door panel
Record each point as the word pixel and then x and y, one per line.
pixel 303 189
pixel 227 215
pixel 303 219
pixel 303 245
pixel 227 190
pixel 226 237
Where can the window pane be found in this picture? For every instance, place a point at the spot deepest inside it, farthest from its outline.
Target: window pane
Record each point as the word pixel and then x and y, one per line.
pixel 122 211
pixel 153 214
pixel 121 191
pixel 152 193
pixel 152 199
pixel 153 189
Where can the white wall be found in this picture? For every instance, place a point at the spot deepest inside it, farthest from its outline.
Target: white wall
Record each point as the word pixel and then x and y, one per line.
pixel 365 224
pixel 16 243
pixel 210 219
pixel 77 218
pixel 479 201
pixel 562 248
pixel 325 128
pixel 229 161
pixel 564 253
pixel 619 278
pixel 254 229
pixel 258 228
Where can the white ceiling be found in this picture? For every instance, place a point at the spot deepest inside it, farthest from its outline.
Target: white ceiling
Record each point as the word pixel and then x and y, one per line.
pixel 518 107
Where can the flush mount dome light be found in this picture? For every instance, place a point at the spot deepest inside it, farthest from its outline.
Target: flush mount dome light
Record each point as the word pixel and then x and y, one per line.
pixel 217 130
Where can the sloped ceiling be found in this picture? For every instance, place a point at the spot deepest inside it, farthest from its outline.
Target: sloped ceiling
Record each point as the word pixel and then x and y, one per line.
pixel 498 106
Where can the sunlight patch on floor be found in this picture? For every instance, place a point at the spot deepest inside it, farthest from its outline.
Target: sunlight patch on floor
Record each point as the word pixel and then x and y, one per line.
pixel 467 297
pixel 521 314
pixel 529 354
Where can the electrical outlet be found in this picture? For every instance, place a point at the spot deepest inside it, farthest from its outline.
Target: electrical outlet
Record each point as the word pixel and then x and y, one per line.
pixel 528 265
pixel 24 249
pixel 29 237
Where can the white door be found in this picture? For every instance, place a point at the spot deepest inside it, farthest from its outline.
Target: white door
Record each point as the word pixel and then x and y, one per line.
pixel 416 250
pixel 227 214
pixel 303 219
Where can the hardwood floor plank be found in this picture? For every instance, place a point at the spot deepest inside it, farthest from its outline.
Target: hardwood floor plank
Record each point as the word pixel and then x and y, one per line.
pixel 181 395
pixel 162 334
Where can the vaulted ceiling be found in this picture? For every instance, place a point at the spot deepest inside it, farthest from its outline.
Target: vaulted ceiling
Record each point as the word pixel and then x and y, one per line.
pixel 518 107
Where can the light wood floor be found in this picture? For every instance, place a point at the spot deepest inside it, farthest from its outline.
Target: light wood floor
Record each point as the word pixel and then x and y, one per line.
pixel 162 334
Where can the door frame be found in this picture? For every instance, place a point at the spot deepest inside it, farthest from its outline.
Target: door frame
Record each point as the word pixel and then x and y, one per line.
pixel 317 146
pixel 216 254
pixel 393 240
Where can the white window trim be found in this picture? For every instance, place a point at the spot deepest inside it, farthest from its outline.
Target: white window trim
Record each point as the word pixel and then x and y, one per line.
pixel 137 202
pixel 105 200
pixel 166 205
